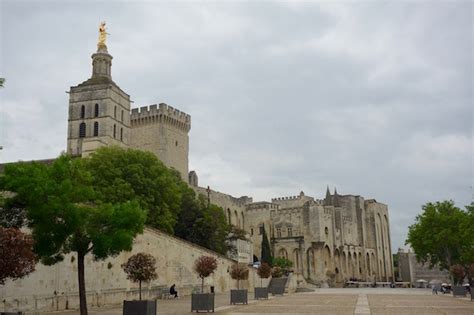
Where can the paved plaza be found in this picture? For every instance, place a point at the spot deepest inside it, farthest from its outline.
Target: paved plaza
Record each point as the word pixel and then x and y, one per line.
pixel 361 301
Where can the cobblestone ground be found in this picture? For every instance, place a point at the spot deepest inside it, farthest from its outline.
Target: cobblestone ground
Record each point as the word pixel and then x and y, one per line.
pixel 378 301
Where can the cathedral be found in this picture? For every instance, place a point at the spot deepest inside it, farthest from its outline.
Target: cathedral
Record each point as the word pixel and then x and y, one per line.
pixel 329 240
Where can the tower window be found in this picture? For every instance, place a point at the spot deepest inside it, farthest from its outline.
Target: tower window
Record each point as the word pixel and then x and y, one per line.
pixel 83 111
pixel 290 232
pixel 82 130
pixel 278 232
pixel 176 143
pixel 121 134
pixel 115 112
pixel 96 129
pixel 122 117
pixel 96 110
pixel 115 130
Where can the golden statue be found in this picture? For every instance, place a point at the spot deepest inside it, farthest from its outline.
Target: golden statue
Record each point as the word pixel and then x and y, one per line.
pixel 102 35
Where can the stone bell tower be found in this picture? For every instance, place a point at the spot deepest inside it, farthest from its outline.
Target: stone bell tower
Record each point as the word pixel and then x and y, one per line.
pixel 99 111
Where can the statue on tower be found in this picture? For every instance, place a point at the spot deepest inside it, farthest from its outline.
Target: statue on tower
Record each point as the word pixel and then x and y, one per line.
pixel 102 35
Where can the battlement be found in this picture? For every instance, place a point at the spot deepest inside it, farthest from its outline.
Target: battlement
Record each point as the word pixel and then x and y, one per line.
pixel 161 113
pixel 285 198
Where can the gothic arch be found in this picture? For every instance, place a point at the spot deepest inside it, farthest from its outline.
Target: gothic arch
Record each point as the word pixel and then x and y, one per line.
pixel 310 262
pixel 327 258
pixel 283 253
pixel 296 259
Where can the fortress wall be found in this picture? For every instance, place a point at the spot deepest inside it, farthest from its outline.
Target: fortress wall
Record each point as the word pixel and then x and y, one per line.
pixel 55 287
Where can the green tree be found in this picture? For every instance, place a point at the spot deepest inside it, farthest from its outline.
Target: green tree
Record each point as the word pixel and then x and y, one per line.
pixel 202 224
pixel 120 175
pixel 266 256
pixel 66 214
pixel 284 263
pixel 442 235
pixel 2 82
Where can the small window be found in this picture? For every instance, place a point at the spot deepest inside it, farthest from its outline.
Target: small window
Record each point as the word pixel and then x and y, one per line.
pixel 278 232
pixel 115 130
pixel 121 134
pixel 122 117
pixel 290 232
pixel 176 143
pixel 83 111
pixel 251 232
pixel 115 112
pixel 260 229
pixel 326 230
pixel 96 110
pixel 82 130
pixel 96 129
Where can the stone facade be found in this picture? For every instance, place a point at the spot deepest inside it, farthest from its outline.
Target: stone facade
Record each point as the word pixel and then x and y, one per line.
pixel 329 240
pixel 411 271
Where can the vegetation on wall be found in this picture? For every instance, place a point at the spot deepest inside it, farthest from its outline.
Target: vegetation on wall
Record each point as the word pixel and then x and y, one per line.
pixel 443 234
pixel 68 212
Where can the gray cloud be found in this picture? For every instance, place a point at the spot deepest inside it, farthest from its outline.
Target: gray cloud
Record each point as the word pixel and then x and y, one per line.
pixel 374 98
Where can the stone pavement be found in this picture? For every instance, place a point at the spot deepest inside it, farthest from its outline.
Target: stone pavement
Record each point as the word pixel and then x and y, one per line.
pixel 358 301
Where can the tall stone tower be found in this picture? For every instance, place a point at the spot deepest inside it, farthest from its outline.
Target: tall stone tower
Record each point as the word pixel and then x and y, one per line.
pixel 162 130
pixel 99 111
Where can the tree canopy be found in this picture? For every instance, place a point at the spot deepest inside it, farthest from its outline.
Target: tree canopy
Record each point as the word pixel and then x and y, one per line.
pixel 67 212
pixel 443 235
pixel 121 175
pixel 16 254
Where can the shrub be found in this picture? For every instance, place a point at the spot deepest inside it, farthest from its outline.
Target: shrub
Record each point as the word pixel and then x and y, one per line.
pixel 239 272
pixel 277 272
pixel 204 266
pixel 140 267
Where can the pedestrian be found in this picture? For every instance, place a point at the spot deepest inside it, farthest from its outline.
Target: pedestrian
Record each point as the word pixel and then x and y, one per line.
pixel 173 291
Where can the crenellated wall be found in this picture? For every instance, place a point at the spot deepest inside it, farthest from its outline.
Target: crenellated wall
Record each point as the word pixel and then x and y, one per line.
pixel 162 130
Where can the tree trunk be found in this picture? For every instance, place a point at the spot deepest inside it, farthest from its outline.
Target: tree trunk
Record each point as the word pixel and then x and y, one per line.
pixel 140 289
pixel 82 284
pixel 202 285
pixel 238 284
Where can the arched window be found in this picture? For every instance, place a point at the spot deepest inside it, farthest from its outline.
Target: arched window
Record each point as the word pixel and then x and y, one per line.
pixel 96 129
pixel 96 110
pixel 82 130
pixel 121 134
pixel 115 130
pixel 83 111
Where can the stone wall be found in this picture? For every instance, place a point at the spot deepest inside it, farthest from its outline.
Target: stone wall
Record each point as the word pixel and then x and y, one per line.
pixel 55 287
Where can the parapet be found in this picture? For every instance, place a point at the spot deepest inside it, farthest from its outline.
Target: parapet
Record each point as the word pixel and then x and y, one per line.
pixel 160 114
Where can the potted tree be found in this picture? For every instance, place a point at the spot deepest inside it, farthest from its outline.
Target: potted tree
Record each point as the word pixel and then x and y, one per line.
pixel 204 266
pixel 239 272
pixel 264 272
pixel 140 267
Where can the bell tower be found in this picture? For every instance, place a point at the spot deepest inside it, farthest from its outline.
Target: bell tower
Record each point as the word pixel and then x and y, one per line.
pixel 99 110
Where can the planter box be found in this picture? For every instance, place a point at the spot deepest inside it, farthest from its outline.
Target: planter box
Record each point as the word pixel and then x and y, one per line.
pixel 238 296
pixel 11 313
pixel 202 302
pixel 277 286
pixel 261 293
pixel 459 291
pixel 139 307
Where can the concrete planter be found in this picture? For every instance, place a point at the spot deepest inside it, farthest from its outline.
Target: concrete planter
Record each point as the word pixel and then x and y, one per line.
pixel 202 302
pixel 139 307
pixel 277 286
pixel 261 293
pixel 238 296
pixel 459 290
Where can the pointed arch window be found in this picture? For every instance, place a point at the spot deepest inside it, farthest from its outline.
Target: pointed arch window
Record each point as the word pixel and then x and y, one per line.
pixel 96 129
pixel 96 110
pixel 115 130
pixel 83 112
pixel 82 130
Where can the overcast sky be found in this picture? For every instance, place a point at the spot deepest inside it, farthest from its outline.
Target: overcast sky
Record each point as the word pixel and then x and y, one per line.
pixel 373 98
